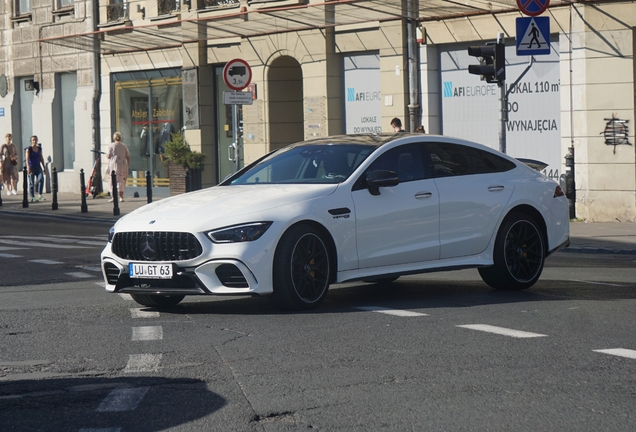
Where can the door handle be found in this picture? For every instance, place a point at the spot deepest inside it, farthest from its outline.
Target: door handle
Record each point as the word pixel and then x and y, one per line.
pixel 495 188
pixel 421 195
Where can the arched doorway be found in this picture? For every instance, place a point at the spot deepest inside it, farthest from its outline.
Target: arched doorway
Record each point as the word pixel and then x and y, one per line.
pixel 285 85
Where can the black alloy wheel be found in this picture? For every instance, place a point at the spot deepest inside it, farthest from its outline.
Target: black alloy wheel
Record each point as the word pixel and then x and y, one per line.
pixel 519 254
pixel 301 268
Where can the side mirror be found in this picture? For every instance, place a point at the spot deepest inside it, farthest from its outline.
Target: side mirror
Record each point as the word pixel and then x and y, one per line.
pixel 381 178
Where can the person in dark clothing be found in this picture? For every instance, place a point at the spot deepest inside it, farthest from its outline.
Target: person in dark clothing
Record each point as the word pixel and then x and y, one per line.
pixel 34 159
pixel 396 124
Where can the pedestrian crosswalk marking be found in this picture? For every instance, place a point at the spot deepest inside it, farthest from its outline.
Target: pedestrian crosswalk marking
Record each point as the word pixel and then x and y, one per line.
pixel 139 313
pixel 41 245
pixel 621 352
pixel 45 261
pixel 80 275
pixel 388 311
pixel 147 333
pixel 143 363
pixel 8 255
pixel 502 331
pixel 124 399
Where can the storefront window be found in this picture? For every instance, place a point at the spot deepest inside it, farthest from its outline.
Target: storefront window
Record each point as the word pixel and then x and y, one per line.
pixel 148 109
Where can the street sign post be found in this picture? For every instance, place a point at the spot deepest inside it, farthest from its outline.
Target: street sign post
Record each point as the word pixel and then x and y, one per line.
pixel 237 74
pixel 533 36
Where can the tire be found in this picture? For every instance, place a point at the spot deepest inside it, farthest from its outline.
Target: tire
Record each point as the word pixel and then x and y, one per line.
pixel 519 254
pixel 157 301
pixel 301 269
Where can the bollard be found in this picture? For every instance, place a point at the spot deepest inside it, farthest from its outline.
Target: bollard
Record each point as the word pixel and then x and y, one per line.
pixel 25 189
pixel 148 187
pixel 83 192
pixel 54 189
pixel 187 181
pixel 113 177
pixel 1 193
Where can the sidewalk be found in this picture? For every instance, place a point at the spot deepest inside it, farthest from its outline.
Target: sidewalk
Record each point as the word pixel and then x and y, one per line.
pixel 601 237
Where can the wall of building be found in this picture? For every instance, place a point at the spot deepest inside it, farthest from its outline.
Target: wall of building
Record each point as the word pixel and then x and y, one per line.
pixel 22 55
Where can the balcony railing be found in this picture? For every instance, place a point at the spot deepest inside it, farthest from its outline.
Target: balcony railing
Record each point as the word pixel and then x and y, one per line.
pixel 166 7
pixel 220 3
pixel 117 12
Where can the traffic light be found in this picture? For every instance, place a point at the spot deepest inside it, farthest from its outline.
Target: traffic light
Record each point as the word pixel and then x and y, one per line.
pixel 492 62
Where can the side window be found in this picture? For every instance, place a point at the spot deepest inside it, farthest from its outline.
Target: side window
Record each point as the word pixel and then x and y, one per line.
pixel 485 162
pixel 454 159
pixel 406 161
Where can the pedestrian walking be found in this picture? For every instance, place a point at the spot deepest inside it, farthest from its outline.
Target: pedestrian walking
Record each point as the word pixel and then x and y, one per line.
pixel 34 158
pixel 118 160
pixel 9 166
pixel 420 129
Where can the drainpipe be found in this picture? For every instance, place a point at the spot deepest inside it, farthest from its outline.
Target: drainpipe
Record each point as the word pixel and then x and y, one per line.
pixel 97 92
pixel 412 8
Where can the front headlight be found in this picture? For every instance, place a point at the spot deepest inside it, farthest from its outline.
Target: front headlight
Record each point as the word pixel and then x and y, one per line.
pixel 111 234
pixel 239 233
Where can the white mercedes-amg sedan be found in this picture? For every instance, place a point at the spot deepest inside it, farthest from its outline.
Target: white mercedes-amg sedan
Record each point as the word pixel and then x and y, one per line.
pixel 342 208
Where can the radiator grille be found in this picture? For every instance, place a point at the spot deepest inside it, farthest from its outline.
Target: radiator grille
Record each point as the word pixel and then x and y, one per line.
pixel 156 246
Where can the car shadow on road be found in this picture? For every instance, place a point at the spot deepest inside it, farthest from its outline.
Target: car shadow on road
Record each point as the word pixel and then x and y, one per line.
pixel 410 294
pixel 143 404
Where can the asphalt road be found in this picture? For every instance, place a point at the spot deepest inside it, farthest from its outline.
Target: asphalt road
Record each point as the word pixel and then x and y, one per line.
pixel 440 351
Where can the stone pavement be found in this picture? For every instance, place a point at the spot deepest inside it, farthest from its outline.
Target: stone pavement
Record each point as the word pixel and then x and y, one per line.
pixel 600 237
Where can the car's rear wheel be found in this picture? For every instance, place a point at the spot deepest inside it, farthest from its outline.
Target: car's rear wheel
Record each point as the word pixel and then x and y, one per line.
pixel 301 268
pixel 519 254
pixel 157 301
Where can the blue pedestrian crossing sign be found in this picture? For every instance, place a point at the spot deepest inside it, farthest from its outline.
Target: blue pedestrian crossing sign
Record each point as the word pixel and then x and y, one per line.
pixel 533 36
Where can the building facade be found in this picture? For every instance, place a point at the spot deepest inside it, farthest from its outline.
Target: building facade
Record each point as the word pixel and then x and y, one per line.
pixel 323 68
pixel 48 90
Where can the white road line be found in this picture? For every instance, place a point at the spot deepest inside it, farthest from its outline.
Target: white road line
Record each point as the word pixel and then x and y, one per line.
pixel 596 283
pixel 388 311
pixel 147 333
pixel 139 313
pixel 6 248
pixel 501 331
pixel 123 399
pixel 143 363
pixel 80 275
pixel 621 352
pixel 41 245
pixel 8 255
pixel 45 261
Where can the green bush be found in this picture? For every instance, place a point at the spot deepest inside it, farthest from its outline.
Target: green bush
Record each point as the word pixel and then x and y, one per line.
pixel 179 152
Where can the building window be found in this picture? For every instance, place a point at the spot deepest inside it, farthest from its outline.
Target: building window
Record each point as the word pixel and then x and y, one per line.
pixel 149 108
pixel 166 7
pixel 65 3
pixel 220 3
pixel 23 7
pixel 117 10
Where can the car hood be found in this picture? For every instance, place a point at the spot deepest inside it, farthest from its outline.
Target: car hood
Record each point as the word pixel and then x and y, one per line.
pixel 222 204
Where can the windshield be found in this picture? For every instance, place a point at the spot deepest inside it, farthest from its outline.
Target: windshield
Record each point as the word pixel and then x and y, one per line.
pixel 317 163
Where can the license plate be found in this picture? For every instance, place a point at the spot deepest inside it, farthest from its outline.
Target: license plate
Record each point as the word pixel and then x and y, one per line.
pixel 150 271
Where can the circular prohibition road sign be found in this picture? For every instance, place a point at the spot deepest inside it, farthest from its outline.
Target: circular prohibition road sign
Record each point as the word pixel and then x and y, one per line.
pixel 237 74
pixel 533 7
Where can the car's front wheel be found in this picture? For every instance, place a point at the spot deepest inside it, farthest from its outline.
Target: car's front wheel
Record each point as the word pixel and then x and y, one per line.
pixel 301 268
pixel 157 301
pixel 519 254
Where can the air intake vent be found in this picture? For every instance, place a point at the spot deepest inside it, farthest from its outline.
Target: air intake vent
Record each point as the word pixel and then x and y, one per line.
pixel 231 276
pixel 156 246
pixel 112 273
